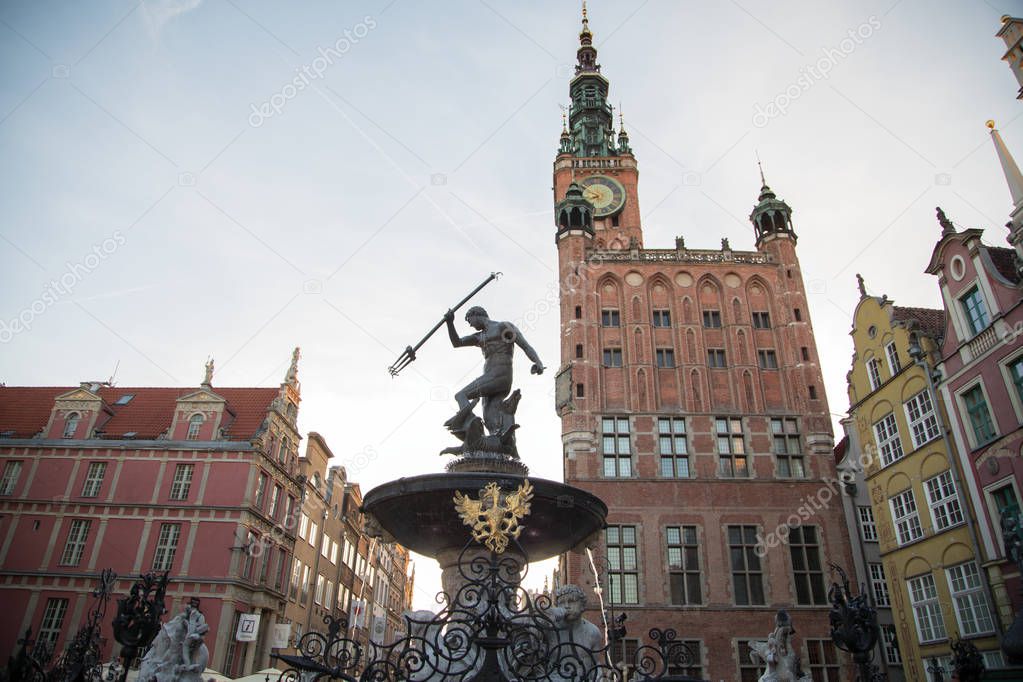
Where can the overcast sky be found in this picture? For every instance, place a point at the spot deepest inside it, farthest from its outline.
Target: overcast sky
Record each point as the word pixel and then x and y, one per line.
pixel 235 178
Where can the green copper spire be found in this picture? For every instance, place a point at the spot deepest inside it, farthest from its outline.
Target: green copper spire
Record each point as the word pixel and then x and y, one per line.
pixel 771 215
pixel 590 119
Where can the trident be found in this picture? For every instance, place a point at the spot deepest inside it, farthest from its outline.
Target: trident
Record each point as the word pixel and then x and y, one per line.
pixel 406 358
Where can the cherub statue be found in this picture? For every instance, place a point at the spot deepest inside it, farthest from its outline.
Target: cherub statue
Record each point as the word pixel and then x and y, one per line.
pixel 178 653
pixel 778 654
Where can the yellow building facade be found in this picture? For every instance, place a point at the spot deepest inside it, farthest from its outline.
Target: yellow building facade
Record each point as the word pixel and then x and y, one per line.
pixel 935 578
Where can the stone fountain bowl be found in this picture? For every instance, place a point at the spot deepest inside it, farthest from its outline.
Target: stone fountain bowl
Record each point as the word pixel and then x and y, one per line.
pixel 419 512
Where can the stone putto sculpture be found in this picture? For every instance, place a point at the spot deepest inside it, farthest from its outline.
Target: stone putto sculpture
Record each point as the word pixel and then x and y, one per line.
pixel 178 653
pixel 778 653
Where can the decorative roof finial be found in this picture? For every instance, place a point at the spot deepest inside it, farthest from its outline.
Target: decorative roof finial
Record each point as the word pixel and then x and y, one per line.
pixel 292 376
pixel 861 285
pixel 564 123
pixel 208 379
pixel 763 182
pixel 947 227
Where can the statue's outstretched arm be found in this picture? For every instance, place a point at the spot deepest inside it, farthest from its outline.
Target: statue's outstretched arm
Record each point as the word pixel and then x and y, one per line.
pixel 456 341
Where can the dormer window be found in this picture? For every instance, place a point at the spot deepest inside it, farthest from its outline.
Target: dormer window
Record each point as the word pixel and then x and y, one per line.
pixel 975 311
pixel 317 481
pixel 71 425
pixel 194 425
pixel 282 454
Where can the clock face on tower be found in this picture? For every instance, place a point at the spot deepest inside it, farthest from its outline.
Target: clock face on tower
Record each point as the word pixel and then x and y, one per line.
pixel 606 194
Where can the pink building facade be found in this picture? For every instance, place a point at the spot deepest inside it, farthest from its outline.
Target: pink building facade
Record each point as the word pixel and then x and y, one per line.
pixel 200 482
pixel 982 376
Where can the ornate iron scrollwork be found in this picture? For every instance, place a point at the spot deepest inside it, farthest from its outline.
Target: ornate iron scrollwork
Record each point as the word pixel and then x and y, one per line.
pixel 854 627
pixel 489 628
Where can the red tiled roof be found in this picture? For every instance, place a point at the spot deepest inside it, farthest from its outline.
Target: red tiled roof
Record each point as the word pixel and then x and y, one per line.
pixel 1005 262
pixel 840 449
pixel 930 321
pixel 25 410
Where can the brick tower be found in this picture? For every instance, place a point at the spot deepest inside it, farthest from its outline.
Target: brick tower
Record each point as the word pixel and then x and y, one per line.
pixel 692 403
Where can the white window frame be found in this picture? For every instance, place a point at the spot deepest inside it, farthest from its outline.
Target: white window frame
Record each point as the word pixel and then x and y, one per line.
pixel 964 412
pixel 890 643
pixel 52 620
pixel 166 546
pixel 195 426
pixel 891 352
pixel 946 506
pixel 992 508
pixel 888 440
pixel 94 479
pixel 924 600
pixel 966 586
pixel 71 425
pixel 910 517
pixel 922 418
pixel 878 585
pixel 874 373
pixel 74 546
pixel 867 523
pixel 12 472
pixel 182 483
pixel 1010 385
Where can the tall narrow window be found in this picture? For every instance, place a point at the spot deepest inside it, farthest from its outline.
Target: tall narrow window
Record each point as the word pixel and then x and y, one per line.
pixel 166 546
pixel 761 320
pixel 318 596
pixel 878 586
pixel 823 660
pixel 684 565
pixel 284 450
pixel 261 483
pixel 712 318
pixel 804 353
pixel 305 585
pixel 624 570
pixel 767 359
pixel 74 547
pixel 874 373
pixel 194 426
pixel 980 416
pixel 673 447
pixel 280 582
pixel 892 353
pixel 891 644
pixel 923 596
pixel 715 357
pixel 1016 372
pixel 53 621
pixel 612 357
pixel 943 501
pixel 71 425
pixel 12 471
pixel 610 318
pixel 578 351
pixel 296 579
pixel 665 357
pixel 804 547
pixel 662 318
pixel 787 446
pixel 798 314
pixel 975 311
pixel 275 502
pixel 747 574
pixel 94 479
pixel 923 422
pixel 182 482
pixel 617 447
pixel 972 610
pixel 868 529
pixel 731 447
pixel 886 433
pixel 906 518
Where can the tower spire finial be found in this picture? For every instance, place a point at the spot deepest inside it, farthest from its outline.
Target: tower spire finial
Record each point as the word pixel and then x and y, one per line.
pixel 763 182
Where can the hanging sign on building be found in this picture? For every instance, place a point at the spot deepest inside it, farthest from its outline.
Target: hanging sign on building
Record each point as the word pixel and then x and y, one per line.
pixel 248 627
pixel 281 637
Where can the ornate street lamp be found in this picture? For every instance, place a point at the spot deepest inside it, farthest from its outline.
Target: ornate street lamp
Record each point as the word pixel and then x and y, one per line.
pixel 967 662
pixel 854 627
pixel 138 617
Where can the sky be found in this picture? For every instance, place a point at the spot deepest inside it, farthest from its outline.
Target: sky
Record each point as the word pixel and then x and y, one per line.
pixel 234 178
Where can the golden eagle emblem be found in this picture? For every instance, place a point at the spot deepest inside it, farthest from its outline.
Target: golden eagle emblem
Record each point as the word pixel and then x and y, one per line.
pixel 494 517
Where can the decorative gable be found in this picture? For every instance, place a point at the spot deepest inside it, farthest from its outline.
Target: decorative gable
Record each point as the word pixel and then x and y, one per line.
pixel 199 416
pixel 74 414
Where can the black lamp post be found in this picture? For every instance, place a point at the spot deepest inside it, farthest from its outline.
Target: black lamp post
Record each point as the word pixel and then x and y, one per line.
pixel 1012 535
pixel 138 617
pixel 854 627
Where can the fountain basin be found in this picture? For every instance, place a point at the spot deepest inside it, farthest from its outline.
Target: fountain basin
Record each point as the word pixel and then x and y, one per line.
pixel 419 512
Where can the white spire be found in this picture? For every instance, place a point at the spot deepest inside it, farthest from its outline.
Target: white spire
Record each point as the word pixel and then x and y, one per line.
pixel 1009 167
